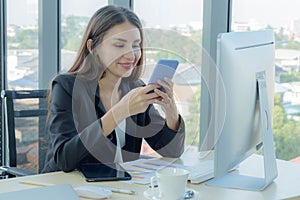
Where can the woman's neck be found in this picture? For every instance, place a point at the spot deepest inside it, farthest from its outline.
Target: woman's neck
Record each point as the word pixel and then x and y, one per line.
pixel 108 84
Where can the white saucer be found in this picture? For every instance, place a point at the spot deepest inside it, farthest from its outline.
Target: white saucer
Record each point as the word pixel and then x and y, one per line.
pixel 149 194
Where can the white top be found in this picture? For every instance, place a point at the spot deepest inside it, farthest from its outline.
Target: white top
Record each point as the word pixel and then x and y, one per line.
pixel 120 135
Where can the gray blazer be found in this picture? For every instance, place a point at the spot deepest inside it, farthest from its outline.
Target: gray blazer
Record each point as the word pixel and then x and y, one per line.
pixel 75 134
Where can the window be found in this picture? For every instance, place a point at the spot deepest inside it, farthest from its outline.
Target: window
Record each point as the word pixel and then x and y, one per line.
pixel 22 37
pixel 173 30
pixel 23 60
pixel 75 16
pixel 284 18
pixel 22 72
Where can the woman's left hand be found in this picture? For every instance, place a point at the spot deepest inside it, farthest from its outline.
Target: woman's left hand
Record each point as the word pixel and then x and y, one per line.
pixel 167 103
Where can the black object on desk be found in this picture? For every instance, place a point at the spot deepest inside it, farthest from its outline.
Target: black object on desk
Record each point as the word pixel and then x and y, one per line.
pixel 103 172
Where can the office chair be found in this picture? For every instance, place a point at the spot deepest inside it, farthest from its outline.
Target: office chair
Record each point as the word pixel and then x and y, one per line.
pixel 10 115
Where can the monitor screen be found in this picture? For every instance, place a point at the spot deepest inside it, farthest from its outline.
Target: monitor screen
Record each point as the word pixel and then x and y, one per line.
pixel 241 58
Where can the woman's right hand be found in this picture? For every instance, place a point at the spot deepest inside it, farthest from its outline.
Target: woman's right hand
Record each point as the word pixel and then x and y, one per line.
pixel 134 102
pixel 137 100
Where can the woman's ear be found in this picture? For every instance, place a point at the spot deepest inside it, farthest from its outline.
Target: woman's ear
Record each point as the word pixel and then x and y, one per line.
pixel 89 44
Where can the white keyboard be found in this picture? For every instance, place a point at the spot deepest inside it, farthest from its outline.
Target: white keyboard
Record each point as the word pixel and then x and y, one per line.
pixel 202 171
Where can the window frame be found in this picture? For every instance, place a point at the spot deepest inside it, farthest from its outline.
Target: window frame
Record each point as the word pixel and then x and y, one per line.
pixel 216 19
pixel 49 18
pixel 3 53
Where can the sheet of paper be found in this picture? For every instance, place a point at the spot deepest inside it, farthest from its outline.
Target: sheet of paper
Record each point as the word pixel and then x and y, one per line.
pixel 143 169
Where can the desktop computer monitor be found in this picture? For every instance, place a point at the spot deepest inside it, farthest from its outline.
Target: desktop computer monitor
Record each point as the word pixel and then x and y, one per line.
pixel 245 61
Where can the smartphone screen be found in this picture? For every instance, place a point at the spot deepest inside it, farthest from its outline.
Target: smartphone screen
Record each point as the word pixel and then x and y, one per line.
pixel 163 68
pixel 103 172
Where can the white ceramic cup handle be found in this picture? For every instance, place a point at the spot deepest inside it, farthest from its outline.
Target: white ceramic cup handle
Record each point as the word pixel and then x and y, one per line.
pixel 154 191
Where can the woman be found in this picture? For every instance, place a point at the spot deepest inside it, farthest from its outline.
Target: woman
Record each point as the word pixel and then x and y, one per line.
pixel 99 111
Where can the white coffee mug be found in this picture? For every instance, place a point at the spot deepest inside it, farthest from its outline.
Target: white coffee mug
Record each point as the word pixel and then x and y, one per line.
pixel 171 183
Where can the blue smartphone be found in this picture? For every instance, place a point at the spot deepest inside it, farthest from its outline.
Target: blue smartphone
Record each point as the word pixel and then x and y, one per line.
pixel 163 68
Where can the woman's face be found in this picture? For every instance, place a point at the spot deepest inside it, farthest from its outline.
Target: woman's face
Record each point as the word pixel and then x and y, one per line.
pixel 120 50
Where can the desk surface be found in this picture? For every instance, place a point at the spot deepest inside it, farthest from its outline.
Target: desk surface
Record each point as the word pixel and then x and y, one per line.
pixel 286 185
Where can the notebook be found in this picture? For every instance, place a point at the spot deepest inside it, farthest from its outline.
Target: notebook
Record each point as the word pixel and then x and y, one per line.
pixel 57 192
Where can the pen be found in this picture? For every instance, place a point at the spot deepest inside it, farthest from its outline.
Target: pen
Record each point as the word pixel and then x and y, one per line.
pixel 113 189
pixel 118 190
pixel 35 183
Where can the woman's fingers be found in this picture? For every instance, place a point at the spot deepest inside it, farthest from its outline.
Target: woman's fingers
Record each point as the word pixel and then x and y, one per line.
pixel 169 81
pixel 164 96
pixel 167 84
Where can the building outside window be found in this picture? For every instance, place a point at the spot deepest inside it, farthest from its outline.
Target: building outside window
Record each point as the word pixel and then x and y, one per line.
pixel 284 18
pixel 22 36
pixel 173 30
pixel 75 16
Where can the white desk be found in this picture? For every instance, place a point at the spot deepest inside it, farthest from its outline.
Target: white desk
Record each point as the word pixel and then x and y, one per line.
pixel 287 185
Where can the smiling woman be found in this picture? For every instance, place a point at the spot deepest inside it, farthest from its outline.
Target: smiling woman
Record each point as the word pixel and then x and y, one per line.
pixel 120 50
pixel 100 110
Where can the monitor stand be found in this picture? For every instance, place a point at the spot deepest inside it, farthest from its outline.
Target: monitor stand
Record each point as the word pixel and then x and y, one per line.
pixel 238 181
